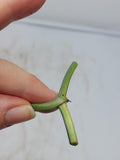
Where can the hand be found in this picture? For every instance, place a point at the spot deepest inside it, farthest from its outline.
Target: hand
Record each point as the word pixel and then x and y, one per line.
pixel 17 89
pixel 11 10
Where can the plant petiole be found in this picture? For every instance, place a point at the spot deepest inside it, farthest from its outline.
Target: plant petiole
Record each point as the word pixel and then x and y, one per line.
pixel 60 103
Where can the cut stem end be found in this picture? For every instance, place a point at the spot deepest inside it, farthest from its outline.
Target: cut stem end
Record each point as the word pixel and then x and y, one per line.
pixel 74 143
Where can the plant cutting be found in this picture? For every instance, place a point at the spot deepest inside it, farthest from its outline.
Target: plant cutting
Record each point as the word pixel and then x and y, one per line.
pixel 60 102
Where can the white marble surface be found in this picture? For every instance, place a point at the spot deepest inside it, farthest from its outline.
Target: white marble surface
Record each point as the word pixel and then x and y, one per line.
pixel 94 91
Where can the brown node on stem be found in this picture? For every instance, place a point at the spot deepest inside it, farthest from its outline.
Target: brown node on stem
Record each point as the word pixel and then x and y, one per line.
pixel 68 100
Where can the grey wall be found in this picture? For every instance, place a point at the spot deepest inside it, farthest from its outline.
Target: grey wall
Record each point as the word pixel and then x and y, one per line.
pixel 94 91
pixel 102 14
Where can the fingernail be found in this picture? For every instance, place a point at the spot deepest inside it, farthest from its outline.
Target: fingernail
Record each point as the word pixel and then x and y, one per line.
pixel 19 114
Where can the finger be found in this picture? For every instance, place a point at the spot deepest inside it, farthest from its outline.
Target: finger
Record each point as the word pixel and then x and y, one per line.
pixel 11 10
pixel 17 82
pixel 14 110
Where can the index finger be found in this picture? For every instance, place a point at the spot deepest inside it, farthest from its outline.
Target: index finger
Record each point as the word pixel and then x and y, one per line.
pixel 17 82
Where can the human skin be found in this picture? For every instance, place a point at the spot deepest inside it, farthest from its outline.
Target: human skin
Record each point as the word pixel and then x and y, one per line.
pixel 11 10
pixel 19 88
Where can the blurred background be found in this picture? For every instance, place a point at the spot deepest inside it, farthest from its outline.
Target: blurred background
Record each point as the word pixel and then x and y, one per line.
pixel 45 44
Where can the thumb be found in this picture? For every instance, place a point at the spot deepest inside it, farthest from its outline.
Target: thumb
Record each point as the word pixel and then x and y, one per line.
pixel 14 110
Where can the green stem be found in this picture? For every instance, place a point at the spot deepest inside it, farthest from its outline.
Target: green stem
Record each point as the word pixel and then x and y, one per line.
pixel 49 106
pixel 60 102
pixel 66 80
pixel 68 124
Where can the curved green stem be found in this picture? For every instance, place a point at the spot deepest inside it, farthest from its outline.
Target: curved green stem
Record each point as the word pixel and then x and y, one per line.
pixel 60 102
pixel 49 106
pixel 61 98
pixel 67 78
